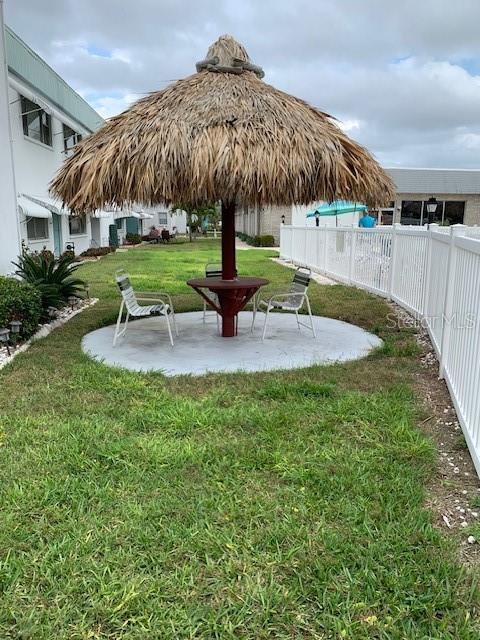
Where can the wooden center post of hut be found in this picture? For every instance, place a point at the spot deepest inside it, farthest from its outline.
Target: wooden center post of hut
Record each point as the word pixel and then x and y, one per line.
pixel 232 292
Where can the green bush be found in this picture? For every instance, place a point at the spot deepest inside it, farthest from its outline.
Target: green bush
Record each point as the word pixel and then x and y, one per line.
pixel 96 251
pixel 263 241
pixel 133 238
pixel 257 241
pixel 53 278
pixel 20 301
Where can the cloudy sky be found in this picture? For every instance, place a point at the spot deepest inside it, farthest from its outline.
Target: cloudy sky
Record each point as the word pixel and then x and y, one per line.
pixel 402 77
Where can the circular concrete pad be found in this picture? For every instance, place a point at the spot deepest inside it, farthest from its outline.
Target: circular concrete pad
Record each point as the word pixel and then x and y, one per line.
pixel 199 349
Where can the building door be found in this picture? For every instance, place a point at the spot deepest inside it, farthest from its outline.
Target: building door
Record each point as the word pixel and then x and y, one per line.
pixel 132 225
pixel 96 232
pixel 57 234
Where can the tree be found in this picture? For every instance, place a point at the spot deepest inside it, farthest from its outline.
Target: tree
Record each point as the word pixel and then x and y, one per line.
pixel 196 216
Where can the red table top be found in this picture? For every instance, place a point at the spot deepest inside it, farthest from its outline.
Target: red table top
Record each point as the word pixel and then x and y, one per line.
pixel 217 284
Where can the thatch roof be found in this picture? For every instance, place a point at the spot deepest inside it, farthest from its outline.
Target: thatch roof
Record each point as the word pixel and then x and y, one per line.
pixel 220 134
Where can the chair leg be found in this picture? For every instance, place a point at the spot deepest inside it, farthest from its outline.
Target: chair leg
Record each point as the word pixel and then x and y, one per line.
pixel 298 321
pixel 119 322
pixel 169 329
pixel 254 313
pixel 265 323
pixel 311 318
pixel 174 319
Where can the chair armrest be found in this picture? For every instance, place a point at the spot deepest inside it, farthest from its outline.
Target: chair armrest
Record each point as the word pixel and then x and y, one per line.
pixel 149 294
pixel 289 294
pixel 154 296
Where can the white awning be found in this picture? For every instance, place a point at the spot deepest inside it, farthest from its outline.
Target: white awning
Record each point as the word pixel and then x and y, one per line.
pixel 140 215
pixel 120 213
pixel 31 209
pixel 55 206
pixel 102 214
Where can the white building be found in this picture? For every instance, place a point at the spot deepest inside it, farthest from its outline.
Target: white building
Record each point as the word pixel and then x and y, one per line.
pixel 457 192
pixel 144 218
pixel 9 234
pixel 41 120
pixel 46 119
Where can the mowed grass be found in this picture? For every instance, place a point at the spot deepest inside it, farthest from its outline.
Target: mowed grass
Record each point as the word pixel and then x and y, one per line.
pixel 275 505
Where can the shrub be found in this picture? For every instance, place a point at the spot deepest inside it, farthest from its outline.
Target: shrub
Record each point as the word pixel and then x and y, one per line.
pixel 53 278
pixel 133 238
pixel 20 301
pixel 257 241
pixel 46 253
pixel 264 241
pixel 97 251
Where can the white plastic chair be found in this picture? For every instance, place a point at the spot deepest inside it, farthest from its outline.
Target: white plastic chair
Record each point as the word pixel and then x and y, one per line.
pixel 163 306
pixel 291 300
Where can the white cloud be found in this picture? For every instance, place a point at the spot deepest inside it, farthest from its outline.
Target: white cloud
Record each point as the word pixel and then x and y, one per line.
pixel 108 106
pixel 349 125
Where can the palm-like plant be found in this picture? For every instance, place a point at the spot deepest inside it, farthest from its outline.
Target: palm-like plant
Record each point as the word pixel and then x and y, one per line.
pixel 53 278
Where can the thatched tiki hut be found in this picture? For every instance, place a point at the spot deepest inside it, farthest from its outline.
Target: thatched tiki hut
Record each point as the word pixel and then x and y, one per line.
pixel 220 134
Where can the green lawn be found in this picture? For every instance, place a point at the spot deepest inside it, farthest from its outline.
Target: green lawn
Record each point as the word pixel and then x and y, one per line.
pixel 274 505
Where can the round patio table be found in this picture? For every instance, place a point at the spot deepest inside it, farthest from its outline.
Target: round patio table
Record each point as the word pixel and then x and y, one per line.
pixel 232 295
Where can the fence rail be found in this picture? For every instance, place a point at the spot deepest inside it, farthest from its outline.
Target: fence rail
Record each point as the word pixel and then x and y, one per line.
pixel 434 273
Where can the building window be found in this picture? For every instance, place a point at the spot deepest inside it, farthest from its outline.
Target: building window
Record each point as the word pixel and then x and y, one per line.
pixel 386 216
pixel 163 218
pixel 411 212
pixel 37 124
pixel 37 228
pixel 78 225
pixel 119 223
pixel 454 212
pixel 70 138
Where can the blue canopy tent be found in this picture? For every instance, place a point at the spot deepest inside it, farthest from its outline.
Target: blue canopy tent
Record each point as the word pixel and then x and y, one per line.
pixel 336 208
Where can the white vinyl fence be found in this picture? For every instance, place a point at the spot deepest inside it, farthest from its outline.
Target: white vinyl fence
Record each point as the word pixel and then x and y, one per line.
pixel 433 273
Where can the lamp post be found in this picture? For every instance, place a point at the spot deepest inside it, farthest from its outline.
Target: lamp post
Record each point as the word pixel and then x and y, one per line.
pixel 432 205
pixel 4 335
pixel 15 330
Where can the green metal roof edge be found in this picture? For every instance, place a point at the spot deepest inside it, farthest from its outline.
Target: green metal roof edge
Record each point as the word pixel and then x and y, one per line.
pixel 29 67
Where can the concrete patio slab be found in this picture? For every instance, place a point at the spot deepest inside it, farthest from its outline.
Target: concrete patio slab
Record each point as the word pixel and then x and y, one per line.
pixel 199 349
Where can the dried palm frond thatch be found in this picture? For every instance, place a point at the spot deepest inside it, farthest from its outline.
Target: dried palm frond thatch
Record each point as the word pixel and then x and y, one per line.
pixel 220 134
